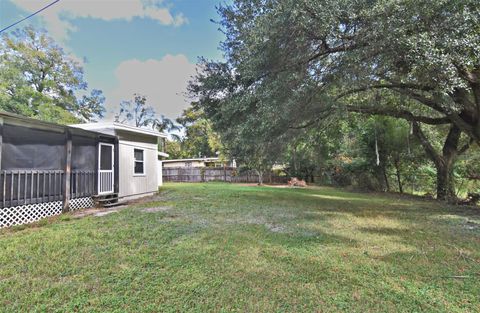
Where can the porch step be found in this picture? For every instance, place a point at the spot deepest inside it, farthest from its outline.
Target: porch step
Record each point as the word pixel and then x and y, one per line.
pixel 112 204
pixel 106 200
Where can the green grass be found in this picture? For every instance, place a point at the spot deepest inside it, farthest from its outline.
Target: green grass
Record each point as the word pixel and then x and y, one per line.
pixel 225 248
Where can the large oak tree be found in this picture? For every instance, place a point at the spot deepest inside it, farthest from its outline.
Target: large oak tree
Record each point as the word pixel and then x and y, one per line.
pixel 291 63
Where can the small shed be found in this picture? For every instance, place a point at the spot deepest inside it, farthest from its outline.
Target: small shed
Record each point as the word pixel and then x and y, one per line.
pixel 136 155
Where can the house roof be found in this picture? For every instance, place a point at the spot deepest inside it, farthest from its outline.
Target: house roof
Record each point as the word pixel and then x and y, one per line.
pixel 194 159
pixel 32 122
pixel 119 126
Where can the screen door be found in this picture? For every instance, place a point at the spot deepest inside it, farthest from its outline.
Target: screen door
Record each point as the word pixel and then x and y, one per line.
pixel 105 168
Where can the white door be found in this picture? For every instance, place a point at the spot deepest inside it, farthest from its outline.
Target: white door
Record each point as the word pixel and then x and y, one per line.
pixel 105 168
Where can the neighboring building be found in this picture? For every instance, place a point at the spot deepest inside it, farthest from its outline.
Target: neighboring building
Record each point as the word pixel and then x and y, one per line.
pixel 198 162
pixel 47 168
pixel 139 172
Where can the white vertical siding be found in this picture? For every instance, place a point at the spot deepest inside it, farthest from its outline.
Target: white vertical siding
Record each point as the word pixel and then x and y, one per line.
pixel 131 184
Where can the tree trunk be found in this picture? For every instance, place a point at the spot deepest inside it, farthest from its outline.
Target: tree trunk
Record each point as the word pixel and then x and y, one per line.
pixel 445 182
pixel 397 171
pixel 385 177
pixel 295 161
pixel 260 177
pixel 444 163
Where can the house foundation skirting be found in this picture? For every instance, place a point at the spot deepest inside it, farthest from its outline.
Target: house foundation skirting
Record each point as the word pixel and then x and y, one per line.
pixel 29 213
pixel 81 203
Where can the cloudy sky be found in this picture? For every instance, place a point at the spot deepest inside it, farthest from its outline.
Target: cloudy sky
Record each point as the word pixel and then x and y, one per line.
pixel 128 46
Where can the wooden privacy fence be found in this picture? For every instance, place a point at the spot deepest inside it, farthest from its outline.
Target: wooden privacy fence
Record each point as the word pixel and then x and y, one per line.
pixel 225 174
pixel 22 187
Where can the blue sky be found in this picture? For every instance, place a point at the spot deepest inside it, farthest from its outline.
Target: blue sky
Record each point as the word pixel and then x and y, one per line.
pixel 127 46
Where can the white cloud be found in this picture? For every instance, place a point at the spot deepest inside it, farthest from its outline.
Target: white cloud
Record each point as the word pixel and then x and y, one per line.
pixel 57 17
pixel 163 81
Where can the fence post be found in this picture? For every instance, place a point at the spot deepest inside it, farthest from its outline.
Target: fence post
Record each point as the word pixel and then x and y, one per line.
pixel 68 170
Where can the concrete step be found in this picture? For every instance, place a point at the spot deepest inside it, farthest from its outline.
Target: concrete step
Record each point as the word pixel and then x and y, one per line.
pixel 112 204
pixel 107 199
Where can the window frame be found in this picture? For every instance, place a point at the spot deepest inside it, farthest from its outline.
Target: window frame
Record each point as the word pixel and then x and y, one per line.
pixel 135 162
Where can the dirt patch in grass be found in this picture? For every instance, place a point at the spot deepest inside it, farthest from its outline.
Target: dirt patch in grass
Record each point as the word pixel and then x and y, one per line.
pixel 105 213
pixel 472 225
pixel 254 220
pixel 156 209
pixel 97 212
pixel 276 228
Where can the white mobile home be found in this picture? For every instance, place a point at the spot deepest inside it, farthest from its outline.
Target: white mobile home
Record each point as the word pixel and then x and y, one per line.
pixel 137 158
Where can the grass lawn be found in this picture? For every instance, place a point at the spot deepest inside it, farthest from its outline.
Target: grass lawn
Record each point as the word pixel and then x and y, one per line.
pixel 221 247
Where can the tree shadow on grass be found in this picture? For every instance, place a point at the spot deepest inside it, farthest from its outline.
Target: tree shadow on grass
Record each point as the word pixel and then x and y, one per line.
pixel 298 237
pixel 386 231
pixel 360 205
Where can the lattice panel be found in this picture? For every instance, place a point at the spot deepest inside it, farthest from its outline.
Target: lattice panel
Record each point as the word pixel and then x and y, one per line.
pixel 29 213
pixel 24 214
pixel 81 203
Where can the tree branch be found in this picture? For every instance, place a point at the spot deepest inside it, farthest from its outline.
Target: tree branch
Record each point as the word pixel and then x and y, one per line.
pixel 450 147
pixel 430 150
pixel 329 50
pixel 454 117
pixel 404 114
pixel 466 146
pixel 422 99
pixel 384 86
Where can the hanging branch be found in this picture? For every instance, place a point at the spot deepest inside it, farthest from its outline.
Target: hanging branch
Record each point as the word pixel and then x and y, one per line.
pixel 376 144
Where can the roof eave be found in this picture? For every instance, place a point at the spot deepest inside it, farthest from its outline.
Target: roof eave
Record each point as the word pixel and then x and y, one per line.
pixel 119 126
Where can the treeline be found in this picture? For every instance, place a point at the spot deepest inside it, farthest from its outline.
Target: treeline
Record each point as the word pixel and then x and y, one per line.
pixel 39 79
pixel 374 154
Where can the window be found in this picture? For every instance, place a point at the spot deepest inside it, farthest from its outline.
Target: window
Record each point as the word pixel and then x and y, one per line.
pixel 188 164
pixel 139 166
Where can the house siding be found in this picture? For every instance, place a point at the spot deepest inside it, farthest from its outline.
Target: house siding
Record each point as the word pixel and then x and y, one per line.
pixel 130 184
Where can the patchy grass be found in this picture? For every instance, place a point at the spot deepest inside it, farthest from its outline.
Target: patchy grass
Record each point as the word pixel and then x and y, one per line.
pixel 221 247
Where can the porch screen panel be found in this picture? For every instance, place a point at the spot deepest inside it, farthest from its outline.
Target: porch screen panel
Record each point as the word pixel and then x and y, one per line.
pixel 33 162
pixel 84 167
pixel 83 153
pixel 26 148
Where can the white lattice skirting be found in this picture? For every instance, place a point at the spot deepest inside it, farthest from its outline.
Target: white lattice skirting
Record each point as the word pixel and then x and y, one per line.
pixel 30 213
pixel 81 203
